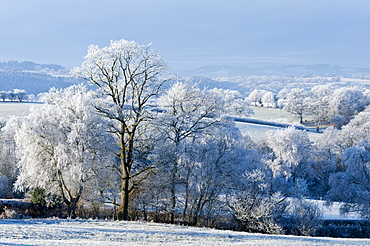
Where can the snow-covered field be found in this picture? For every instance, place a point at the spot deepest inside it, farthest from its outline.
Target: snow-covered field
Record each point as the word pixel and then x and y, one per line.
pixel 8 109
pixel 257 132
pixel 271 114
pixel 91 232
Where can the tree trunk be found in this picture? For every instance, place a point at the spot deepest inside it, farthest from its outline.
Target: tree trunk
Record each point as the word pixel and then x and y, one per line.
pixel 301 118
pixel 71 207
pixel 173 204
pixel 173 192
pixel 123 208
pixel 125 154
pixel 197 209
pixel 68 199
pixel 187 194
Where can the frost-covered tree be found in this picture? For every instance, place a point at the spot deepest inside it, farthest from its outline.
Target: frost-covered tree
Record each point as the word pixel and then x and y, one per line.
pixel 348 101
pixel 20 94
pixel 187 111
pixel 254 98
pixel 280 103
pixel 195 171
pixel 319 103
pixel 296 102
pixel 283 93
pixel 291 156
pixel 353 184
pixel 216 158
pixel 326 154
pixel 12 96
pixel 63 147
pixel 356 130
pixel 4 95
pixel 128 76
pixel 8 160
pixel 268 100
pixel 15 94
pixel 233 103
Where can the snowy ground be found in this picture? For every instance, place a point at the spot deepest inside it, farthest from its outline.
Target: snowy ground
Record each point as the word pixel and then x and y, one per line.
pixel 271 114
pixel 90 232
pixel 8 109
pixel 257 132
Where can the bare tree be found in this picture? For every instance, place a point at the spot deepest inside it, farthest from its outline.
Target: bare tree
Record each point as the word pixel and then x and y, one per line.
pixel 128 76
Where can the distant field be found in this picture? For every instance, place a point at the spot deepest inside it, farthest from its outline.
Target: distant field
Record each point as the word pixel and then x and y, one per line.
pixel 271 114
pixel 8 109
pixel 16 108
pixel 257 132
pixel 360 81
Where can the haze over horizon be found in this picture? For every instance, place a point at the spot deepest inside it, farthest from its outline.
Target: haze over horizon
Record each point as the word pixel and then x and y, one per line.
pixel 190 34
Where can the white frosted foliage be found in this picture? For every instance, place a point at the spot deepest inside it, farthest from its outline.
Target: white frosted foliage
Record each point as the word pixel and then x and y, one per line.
pixel 63 145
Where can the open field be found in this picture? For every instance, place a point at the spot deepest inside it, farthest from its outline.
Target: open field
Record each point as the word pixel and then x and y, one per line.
pixel 271 114
pixel 364 82
pixel 257 132
pixel 92 232
pixel 8 109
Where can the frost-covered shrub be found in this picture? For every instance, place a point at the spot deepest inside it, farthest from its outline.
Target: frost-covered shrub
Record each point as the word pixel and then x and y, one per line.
pixel 302 218
pixel 254 207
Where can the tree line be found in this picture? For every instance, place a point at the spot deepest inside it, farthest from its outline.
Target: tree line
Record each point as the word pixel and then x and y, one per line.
pixel 161 149
pixel 14 95
pixel 324 104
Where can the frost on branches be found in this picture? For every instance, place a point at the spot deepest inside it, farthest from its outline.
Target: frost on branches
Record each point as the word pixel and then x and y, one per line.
pixel 129 76
pixel 291 160
pixel 63 147
pixel 353 184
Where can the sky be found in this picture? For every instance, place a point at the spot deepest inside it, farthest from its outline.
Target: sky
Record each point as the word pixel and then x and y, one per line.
pixel 190 33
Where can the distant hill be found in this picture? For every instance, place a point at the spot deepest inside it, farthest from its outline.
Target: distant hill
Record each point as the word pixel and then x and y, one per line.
pixel 34 78
pixel 37 78
pixel 32 66
pixel 278 70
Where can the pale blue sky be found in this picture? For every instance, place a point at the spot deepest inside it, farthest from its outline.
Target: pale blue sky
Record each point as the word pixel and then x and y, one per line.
pixel 190 33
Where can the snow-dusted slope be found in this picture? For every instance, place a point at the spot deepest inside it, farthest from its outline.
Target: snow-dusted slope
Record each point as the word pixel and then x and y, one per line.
pixel 89 232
